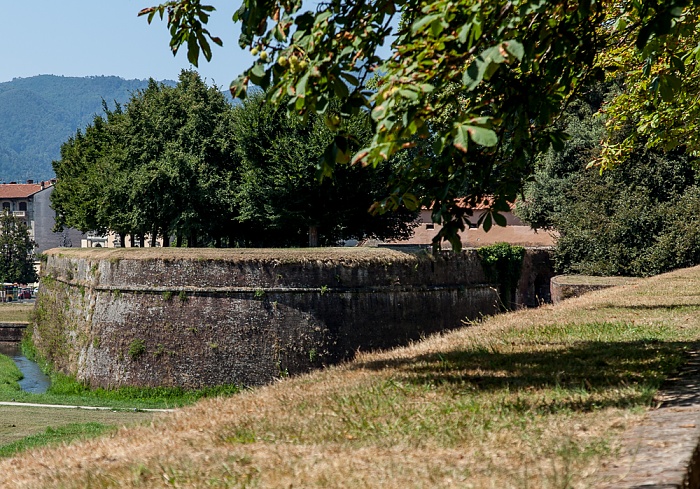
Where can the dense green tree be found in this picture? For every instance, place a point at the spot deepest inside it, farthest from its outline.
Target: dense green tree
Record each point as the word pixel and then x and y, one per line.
pixel 626 220
pixel 160 166
pixel 16 251
pixel 174 138
pixel 83 197
pixel 558 172
pixel 505 70
pixel 281 201
pixel 181 161
pixel 635 219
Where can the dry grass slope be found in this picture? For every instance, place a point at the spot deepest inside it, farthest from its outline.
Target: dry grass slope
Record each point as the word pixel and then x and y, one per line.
pixel 536 398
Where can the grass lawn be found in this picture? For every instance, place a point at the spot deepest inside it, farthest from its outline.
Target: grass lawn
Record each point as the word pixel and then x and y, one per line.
pixel 15 312
pixel 22 428
pixel 531 399
pixel 65 390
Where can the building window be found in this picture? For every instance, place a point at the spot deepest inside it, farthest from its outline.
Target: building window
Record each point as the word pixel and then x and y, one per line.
pixel 6 207
pixel 23 206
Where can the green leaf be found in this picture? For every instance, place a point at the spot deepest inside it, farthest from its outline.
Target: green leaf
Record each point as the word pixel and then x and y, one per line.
pixel 423 22
pixel 669 85
pixel 436 27
pixel 352 80
pixel 301 86
pixel 515 48
pixel 257 73
pixel 410 201
pixel 461 140
pixel 487 222
pixel 483 136
pixel 500 219
pixel 463 32
pixel 484 66
pixel 409 94
pixel 341 89
pixel 192 50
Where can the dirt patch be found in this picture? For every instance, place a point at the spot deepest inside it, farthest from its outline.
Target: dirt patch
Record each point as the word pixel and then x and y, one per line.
pixel 591 280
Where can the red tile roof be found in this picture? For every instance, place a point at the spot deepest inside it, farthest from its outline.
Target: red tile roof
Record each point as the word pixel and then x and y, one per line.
pixel 481 205
pixel 21 190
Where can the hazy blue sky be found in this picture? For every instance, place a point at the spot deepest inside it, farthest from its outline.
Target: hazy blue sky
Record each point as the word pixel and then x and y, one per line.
pixel 105 37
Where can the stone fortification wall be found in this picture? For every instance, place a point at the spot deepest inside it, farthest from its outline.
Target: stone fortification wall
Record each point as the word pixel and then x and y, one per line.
pixel 11 332
pixel 198 317
pixel 568 286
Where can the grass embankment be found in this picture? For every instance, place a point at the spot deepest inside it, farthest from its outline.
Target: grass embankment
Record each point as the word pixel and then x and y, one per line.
pixel 536 398
pixel 25 427
pixel 22 428
pixel 66 390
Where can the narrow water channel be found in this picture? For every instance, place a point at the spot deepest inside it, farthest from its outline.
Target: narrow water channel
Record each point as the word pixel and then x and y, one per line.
pixel 34 381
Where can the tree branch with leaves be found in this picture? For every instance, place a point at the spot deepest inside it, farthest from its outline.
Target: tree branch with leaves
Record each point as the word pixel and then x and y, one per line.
pixel 503 71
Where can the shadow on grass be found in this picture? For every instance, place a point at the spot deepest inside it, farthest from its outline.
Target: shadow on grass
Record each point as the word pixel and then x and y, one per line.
pixel 622 374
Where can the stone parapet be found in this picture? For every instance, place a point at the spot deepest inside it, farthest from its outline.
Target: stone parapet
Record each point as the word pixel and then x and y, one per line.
pixel 201 317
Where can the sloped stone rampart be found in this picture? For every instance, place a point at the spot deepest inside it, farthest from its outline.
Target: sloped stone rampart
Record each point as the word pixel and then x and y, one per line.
pixel 195 318
pixel 568 286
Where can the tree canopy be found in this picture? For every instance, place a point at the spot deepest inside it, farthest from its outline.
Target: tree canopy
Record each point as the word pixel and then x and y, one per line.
pixel 279 198
pixel 638 218
pixel 182 161
pixel 156 166
pixel 481 81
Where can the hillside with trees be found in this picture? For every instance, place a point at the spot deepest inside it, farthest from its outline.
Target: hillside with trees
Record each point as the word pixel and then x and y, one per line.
pixel 39 113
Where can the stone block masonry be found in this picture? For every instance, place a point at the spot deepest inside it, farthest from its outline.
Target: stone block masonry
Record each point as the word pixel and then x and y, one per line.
pixel 11 332
pixel 203 317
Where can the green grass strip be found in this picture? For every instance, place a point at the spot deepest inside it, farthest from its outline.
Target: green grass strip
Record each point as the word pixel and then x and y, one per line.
pixel 55 436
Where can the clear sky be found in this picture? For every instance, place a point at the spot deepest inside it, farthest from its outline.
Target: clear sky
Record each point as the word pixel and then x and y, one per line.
pixel 106 37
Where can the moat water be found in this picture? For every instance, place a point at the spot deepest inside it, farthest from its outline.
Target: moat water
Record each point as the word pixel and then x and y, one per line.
pixel 34 381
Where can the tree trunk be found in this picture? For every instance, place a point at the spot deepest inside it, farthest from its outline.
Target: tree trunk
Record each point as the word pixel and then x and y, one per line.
pixel 132 240
pixel 154 239
pixel 178 240
pixel 166 241
pixel 142 240
pixel 122 240
pixel 313 236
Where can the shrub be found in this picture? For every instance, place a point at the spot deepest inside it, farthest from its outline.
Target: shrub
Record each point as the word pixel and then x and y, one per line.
pixel 503 265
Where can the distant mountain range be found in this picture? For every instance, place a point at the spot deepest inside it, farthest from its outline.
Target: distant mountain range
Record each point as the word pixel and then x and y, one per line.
pixel 39 113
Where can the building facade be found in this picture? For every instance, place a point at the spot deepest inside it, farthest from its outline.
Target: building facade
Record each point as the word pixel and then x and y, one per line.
pixel 31 202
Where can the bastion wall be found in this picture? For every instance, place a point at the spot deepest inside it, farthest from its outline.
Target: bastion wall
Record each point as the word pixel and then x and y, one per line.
pixel 203 317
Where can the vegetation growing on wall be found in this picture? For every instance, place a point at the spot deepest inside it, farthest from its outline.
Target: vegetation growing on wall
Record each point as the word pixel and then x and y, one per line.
pixel 137 348
pixel 503 265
